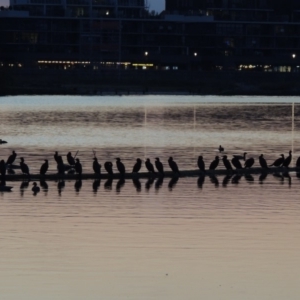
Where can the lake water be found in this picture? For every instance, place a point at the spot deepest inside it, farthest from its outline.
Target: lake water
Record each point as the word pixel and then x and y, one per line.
pixel 217 239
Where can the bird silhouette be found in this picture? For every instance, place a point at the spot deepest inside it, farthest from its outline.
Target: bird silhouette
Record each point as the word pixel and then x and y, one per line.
pixel 201 164
pixel 263 162
pixel 149 165
pixel 173 165
pixel 96 166
pixel 78 166
pixel 236 162
pixel 214 164
pixel 108 166
pixel 70 159
pixel 226 163
pixel 11 158
pixel 24 167
pixel 120 166
pixel 221 149
pixel 159 166
pixel 137 166
pixel 278 162
pixel 249 162
pixel 44 167
pixel 35 188
pixel 287 160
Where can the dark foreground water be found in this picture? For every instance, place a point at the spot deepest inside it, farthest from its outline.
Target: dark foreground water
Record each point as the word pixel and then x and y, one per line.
pixel 223 238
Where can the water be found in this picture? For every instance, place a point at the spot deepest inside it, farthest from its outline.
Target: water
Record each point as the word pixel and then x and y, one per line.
pixel 190 240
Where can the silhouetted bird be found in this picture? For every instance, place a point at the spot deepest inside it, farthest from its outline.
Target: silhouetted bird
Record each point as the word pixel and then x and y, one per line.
pixel 149 165
pixel 159 166
pixel 35 188
pixel 108 166
pixel 214 164
pixel 70 159
pixel 287 160
pixel 3 142
pixel 96 166
pixel 11 158
pixel 61 168
pixel 226 163
pixel 120 166
pixel 201 164
pixel 241 156
pixel 278 162
pixel 78 167
pixel 24 167
pixel 221 149
pixel 2 168
pixel 249 162
pixel 263 162
pixel 173 165
pixel 237 164
pixel 58 158
pixel 44 167
pixel 298 162
pixel 137 166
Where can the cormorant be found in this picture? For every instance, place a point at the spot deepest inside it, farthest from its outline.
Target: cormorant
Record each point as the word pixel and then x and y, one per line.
pixel 237 164
pixel 287 160
pixel 241 156
pixel 226 163
pixel 120 166
pixel 24 167
pixel 278 162
pixel 214 163
pixel 96 166
pixel 78 166
pixel 44 167
pixel 159 166
pixel 57 158
pixel 221 149
pixel 35 188
pixel 249 162
pixel 108 167
pixel 173 165
pixel 2 168
pixel 201 164
pixel 298 163
pixel 137 166
pixel 149 165
pixel 3 142
pixel 263 162
pixel 70 159
pixel 11 158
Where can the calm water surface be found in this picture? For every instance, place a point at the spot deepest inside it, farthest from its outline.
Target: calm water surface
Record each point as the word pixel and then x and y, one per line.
pixel 217 239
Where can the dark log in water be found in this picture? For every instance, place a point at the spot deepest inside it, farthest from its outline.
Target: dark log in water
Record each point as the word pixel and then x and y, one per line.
pixel 184 173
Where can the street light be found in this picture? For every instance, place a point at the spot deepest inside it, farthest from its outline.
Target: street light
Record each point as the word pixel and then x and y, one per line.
pixel 195 54
pixel 293 55
pixel 146 53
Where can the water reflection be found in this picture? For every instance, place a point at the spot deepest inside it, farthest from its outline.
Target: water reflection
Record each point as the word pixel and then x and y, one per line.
pixel 200 181
pixel 137 184
pixel 214 180
pixel 60 186
pixel 78 185
pixel 108 184
pixel 226 180
pixel 120 184
pixel 96 185
pixel 172 183
pixel 149 183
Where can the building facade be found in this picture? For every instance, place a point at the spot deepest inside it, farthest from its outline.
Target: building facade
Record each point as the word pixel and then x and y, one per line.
pixel 252 35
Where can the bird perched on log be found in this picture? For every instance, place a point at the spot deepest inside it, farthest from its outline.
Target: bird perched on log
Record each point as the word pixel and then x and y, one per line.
pixel 44 167
pixel 201 164
pixel 149 166
pixel 70 159
pixel 298 163
pixel 78 167
pixel 214 164
pixel 137 166
pixel 58 158
pixel 263 162
pixel 236 162
pixel 287 160
pixel 24 167
pixel 159 166
pixel 120 166
pixel 96 166
pixel 11 158
pixel 173 165
pixel 226 163
pixel 278 162
pixel 108 166
pixel 249 163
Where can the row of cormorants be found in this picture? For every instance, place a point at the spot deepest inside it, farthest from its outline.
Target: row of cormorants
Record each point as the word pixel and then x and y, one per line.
pixel 75 165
